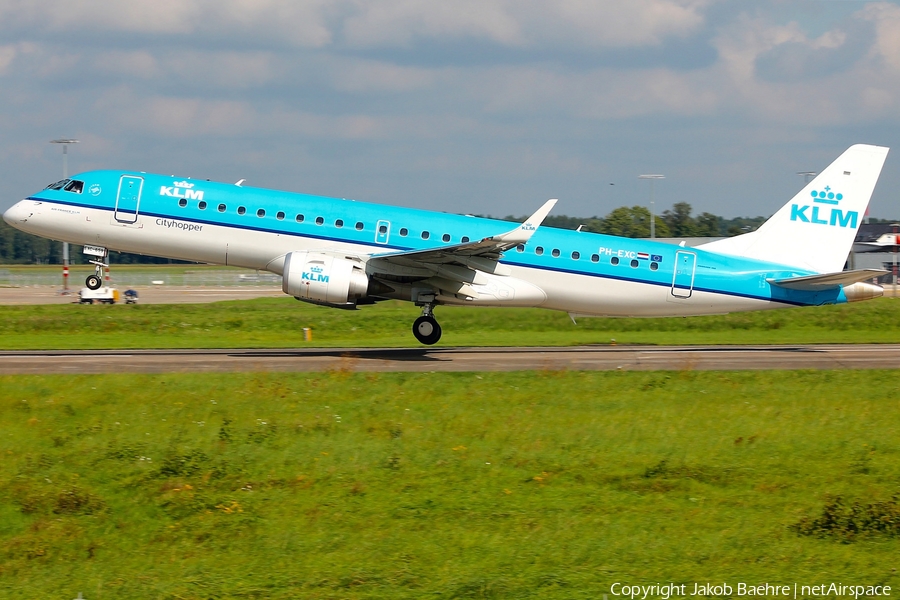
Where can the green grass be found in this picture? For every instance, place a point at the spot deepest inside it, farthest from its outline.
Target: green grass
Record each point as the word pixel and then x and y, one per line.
pixel 337 485
pixel 278 322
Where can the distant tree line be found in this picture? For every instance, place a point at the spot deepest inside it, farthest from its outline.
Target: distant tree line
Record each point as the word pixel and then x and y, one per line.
pixel 634 222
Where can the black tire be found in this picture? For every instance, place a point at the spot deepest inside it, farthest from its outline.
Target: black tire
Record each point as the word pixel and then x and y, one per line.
pixel 93 282
pixel 427 330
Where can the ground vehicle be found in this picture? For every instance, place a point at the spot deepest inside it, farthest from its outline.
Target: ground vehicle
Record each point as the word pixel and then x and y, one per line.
pixel 104 295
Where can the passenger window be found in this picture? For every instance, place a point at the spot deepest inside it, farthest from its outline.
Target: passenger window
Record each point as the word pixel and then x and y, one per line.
pixel 382 229
pixel 404 232
pixel 520 248
pixel 464 239
pixel 359 226
pixel 280 215
pixel 555 253
pixel 319 220
pixel 299 218
pixel 202 205
pixel 182 203
pixel 595 258
pixel 241 210
pixel 446 237
pixel 261 212
pixel 576 255
pixel 425 235
pixel 339 223
pixel 539 250
pixel 634 263
pixel 654 266
pixel 221 208
pixel 614 260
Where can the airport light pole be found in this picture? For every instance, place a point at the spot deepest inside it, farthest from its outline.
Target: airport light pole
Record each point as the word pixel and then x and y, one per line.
pixel 65 145
pixel 652 178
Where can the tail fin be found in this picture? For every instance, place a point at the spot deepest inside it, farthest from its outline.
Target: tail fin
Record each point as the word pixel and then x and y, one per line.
pixel 816 229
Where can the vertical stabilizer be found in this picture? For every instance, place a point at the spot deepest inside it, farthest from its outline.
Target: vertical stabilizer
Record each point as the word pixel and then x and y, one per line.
pixel 816 229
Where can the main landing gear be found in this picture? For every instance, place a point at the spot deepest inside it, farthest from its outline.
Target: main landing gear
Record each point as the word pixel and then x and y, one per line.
pixel 426 328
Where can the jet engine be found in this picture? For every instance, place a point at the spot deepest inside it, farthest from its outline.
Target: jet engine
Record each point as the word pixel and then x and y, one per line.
pixel 324 279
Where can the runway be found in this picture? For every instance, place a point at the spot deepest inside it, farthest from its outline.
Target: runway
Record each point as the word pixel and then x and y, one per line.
pixel 600 358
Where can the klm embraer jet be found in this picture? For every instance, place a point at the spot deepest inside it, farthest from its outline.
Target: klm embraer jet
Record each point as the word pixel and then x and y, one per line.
pixel 343 253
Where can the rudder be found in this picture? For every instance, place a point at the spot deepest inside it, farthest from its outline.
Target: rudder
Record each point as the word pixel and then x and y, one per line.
pixel 816 229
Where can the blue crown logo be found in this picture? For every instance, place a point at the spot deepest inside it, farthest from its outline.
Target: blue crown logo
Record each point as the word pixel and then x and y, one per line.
pixel 316 269
pixel 826 196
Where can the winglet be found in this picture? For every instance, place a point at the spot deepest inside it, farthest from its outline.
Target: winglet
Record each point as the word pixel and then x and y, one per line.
pixel 523 232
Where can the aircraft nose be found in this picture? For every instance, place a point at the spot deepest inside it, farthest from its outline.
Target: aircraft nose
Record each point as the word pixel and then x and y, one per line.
pixel 16 213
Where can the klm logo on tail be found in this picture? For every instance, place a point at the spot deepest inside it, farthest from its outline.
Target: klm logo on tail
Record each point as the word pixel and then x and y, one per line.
pixel 824 215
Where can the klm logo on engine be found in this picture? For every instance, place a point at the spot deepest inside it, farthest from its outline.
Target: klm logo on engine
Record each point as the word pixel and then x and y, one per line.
pixel 314 274
pixel 181 189
pixel 824 211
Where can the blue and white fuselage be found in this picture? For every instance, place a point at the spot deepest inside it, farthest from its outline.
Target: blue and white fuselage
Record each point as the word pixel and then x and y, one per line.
pixel 342 253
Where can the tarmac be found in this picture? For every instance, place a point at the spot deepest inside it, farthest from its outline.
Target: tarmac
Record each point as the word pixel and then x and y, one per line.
pixel 430 359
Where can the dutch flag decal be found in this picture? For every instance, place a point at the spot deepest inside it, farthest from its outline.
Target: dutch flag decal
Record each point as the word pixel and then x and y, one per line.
pixel 643 255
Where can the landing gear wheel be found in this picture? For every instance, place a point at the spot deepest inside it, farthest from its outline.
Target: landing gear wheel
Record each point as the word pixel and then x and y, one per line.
pixel 93 282
pixel 427 330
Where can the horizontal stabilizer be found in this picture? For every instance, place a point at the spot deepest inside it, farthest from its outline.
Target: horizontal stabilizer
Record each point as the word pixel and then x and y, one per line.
pixel 815 283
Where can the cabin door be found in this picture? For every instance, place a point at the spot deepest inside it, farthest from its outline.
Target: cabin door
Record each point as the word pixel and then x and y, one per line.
pixel 128 198
pixel 683 281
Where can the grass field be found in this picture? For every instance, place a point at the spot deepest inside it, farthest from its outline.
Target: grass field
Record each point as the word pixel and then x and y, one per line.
pixel 540 485
pixel 279 323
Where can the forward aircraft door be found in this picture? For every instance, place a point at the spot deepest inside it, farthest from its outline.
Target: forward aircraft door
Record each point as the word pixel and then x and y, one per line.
pixel 683 281
pixel 128 198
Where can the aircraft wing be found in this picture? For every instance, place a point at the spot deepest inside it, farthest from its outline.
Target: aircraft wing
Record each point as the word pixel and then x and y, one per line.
pixel 455 268
pixel 816 283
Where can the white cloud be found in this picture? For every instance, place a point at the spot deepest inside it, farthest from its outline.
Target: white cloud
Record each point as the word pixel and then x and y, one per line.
pixel 361 75
pixel 886 17
pixel 141 64
pixel 400 22
pixel 7 54
pixel 578 23
pixel 298 22
pixel 387 23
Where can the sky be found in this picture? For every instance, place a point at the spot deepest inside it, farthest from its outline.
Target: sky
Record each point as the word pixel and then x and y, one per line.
pixel 467 106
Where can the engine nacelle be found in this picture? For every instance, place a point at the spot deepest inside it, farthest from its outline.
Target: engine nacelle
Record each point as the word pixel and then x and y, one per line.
pixel 324 279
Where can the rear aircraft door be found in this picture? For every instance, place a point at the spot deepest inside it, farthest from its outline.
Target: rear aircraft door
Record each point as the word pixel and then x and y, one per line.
pixel 683 281
pixel 382 232
pixel 129 198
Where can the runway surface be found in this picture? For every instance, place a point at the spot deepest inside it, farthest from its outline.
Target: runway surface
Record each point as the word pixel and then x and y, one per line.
pixel 627 358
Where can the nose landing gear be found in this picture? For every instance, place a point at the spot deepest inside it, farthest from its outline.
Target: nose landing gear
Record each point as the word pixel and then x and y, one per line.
pixel 426 328
pixel 93 282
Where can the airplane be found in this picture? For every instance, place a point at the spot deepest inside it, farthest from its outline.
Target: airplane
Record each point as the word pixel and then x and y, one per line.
pixel 344 254
pixel 886 242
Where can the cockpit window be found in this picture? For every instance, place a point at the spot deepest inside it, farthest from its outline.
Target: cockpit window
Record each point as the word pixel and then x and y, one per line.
pixel 74 186
pixel 58 185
